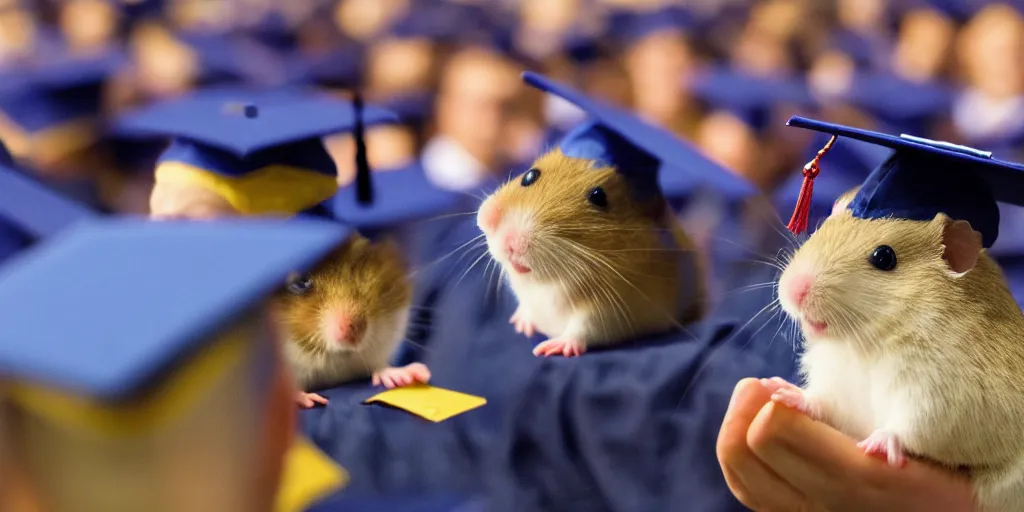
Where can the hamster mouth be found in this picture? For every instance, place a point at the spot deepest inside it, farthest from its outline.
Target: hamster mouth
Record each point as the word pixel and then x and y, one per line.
pixel 813 327
pixel 518 267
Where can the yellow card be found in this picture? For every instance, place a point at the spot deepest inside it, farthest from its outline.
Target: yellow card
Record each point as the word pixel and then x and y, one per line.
pixel 308 476
pixel 434 404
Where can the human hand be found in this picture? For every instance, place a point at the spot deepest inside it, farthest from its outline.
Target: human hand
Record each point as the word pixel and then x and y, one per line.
pixel 777 459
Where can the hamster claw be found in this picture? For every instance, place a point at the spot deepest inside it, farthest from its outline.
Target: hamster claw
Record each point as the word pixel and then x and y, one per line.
pixel 885 445
pixel 309 400
pixel 788 394
pixel 405 376
pixel 568 347
pixel 522 325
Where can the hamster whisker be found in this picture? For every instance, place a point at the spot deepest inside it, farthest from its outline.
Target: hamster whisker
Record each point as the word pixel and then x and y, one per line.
pixel 475 262
pixel 446 256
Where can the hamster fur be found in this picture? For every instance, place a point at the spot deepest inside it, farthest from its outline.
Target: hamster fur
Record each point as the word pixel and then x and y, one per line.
pixel 925 359
pixel 344 320
pixel 586 275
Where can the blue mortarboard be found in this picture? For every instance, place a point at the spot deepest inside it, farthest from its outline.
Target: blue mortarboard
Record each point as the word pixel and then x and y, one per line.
pixel 29 210
pixel 751 99
pixel 897 103
pixel 340 67
pixel 923 178
pixel 960 10
pixel 50 105
pixel 444 22
pixel 136 297
pixel 232 58
pixel 259 140
pixel 638 150
pixel 631 27
pixel 867 52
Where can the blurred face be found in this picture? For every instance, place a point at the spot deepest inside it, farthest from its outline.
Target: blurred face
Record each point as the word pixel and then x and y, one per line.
pixel 656 67
pixel 399 65
pixel 779 17
pixel 860 15
pixel 88 24
pixel 17 33
pixel 924 42
pixel 760 53
pixel 164 66
pixel 360 19
pixel 831 74
pixel 549 15
pixel 730 142
pixel 475 102
pixel 992 49
pixel 387 148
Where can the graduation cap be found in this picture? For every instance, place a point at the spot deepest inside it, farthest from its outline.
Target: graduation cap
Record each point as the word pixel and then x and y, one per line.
pixel 921 179
pixel 260 149
pixel 638 150
pixel 160 336
pixel 959 10
pixel 749 98
pixel 341 67
pixel 899 104
pixel 631 27
pixel 50 106
pixel 29 210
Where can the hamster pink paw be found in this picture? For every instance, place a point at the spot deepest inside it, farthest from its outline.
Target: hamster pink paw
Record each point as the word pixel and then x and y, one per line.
pixel 788 394
pixel 309 400
pixel 568 347
pixel 885 445
pixel 404 376
pixel 522 325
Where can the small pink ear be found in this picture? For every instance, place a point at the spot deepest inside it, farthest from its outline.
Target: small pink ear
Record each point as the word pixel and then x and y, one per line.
pixel 963 245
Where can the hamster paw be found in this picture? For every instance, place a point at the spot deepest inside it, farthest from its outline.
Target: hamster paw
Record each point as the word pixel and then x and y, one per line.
pixel 522 325
pixel 788 394
pixel 309 400
pixel 885 445
pixel 568 347
pixel 404 376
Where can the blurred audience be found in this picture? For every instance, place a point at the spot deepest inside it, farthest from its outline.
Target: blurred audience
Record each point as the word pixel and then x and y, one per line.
pixel 449 68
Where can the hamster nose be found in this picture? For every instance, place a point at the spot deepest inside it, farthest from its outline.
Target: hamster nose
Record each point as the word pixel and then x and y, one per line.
pixel 488 217
pixel 798 287
pixel 348 328
pixel 515 243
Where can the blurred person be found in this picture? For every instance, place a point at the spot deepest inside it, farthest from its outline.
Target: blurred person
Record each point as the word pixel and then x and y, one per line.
pixel 201 15
pixel 19 32
pixel 923 45
pixel 762 53
pixel 388 147
pixel 363 19
pixel 863 26
pixel 780 19
pixel 477 90
pixel 658 58
pixel 543 26
pixel 990 51
pixel 89 26
pixel 727 140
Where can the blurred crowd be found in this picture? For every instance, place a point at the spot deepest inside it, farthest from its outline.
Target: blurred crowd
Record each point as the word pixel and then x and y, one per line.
pixel 724 74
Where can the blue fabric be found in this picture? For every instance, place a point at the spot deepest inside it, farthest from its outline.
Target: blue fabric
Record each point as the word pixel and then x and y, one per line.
pixel 308 155
pixel 749 98
pixel 344 502
pixel 12 241
pixel 170 285
pixel 34 208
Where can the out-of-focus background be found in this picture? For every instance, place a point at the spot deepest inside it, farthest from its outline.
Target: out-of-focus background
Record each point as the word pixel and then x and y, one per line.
pixel 724 74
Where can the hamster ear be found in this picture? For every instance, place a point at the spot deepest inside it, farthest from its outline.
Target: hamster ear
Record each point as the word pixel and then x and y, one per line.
pixel 962 245
pixel 844 200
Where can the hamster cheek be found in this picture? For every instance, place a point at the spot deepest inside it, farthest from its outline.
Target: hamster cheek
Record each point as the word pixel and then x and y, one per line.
pixel 489 216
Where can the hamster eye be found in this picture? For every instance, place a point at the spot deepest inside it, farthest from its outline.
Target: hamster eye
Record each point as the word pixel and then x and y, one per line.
pixel 883 258
pixel 300 285
pixel 597 197
pixel 530 177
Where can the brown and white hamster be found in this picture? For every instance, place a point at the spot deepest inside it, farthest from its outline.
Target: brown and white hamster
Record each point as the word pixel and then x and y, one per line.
pixel 589 263
pixel 913 344
pixel 343 320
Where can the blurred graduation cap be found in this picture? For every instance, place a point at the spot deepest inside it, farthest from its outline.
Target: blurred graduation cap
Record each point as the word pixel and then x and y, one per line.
pixel 750 99
pixel 232 58
pixel 650 158
pixel 445 22
pixel 50 107
pixel 117 341
pixel 921 179
pixel 898 104
pixel 341 67
pixel 849 162
pixel 30 210
pixel 631 27
pixel 959 10
pixel 261 150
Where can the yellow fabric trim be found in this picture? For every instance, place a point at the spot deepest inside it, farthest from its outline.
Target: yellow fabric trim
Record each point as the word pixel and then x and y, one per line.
pixel 429 402
pixel 307 477
pixel 49 145
pixel 167 402
pixel 275 189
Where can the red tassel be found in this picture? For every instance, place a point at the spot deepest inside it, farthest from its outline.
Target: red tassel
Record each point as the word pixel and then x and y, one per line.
pixel 802 211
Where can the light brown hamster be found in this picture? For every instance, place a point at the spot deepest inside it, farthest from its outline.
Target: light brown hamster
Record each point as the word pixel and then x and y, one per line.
pixel 589 264
pixel 344 320
pixel 913 344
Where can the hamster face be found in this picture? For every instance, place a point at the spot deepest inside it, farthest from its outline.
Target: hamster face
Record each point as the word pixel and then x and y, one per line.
pixel 358 297
pixel 857 280
pixel 564 217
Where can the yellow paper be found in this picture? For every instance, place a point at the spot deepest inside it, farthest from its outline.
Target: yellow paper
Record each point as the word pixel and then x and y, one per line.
pixel 434 404
pixel 308 476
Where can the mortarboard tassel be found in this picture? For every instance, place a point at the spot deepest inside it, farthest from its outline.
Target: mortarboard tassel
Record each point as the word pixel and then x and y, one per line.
pixel 364 184
pixel 802 211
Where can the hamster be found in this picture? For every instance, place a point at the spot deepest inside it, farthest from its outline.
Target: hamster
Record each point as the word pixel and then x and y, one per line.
pixel 589 264
pixel 343 320
pixel 913 344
